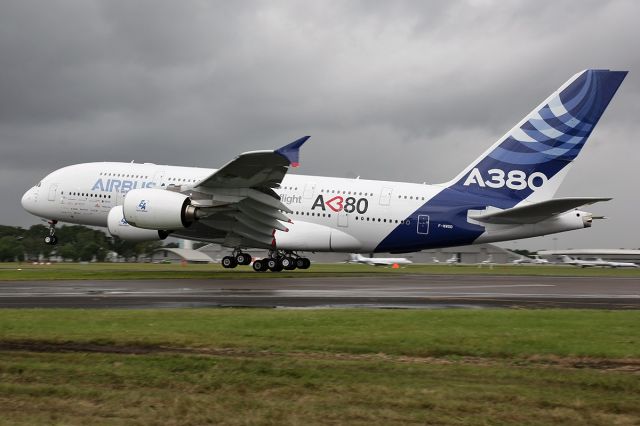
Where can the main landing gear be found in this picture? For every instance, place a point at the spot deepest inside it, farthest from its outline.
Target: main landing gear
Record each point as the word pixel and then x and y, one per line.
pixel 51 239
pixel 237 258
pixel 278 260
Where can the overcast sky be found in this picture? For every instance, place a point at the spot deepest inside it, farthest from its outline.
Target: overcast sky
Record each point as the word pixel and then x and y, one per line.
pixel 408 91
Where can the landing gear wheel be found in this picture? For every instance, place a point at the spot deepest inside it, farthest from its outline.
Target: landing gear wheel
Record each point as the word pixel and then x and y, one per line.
pixel 243 259
pixel 260 265
pixel 271 263
pixel 52 240
pixel 288 263
pixel 278 267
pixel 229 262
pixel 303 263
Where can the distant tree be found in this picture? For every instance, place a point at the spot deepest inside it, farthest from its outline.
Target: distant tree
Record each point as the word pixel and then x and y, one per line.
pixel 68 252
pixel 11 249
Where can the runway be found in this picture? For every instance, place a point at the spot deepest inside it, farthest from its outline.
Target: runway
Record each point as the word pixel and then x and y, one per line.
pixel 401 291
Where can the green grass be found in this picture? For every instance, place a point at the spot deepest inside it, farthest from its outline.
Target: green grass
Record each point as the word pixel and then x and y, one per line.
pixel 486 333
pixel 256 366
pixel 73 271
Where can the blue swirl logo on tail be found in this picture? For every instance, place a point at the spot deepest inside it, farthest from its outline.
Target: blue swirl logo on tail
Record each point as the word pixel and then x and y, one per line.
pixel 548 139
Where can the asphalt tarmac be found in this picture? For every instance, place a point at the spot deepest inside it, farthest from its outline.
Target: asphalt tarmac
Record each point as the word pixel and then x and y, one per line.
pixel 401 291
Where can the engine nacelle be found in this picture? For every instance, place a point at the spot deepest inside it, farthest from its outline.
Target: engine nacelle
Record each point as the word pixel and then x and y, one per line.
pixel 119 227
pixel 151 208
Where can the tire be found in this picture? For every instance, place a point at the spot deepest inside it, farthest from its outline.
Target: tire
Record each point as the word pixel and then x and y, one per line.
pixel 288 263
pixel 48 240
pixel 54 240
pixel 259 266
pixel 300 263
pixel 306 263
pixel 243 259
pixel 229 262
pixel 272 263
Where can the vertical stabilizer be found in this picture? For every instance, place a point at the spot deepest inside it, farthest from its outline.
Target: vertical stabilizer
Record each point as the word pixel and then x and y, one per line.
pixel 532 159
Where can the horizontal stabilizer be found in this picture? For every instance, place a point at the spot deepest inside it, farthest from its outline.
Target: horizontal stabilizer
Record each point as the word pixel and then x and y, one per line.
pixel 532 213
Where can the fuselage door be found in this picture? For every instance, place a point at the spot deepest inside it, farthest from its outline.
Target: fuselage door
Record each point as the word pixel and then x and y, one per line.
pixel 53 191
pixel 385 196
pixel 343 220
pixel 423 224
pixel 159 179
pixel 309 190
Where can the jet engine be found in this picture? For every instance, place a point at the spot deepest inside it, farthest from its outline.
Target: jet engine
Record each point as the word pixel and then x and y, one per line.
pixel 151 208
pixel 119 227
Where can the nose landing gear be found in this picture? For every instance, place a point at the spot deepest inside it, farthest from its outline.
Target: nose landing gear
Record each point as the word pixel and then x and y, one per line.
pixel 51 239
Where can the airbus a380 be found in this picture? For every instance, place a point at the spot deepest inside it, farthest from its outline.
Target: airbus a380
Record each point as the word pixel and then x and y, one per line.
pixel 251 202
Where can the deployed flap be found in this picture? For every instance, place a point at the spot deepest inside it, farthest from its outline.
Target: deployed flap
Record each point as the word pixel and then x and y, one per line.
pixel 255 169
pixel 535 212
pixel 241 192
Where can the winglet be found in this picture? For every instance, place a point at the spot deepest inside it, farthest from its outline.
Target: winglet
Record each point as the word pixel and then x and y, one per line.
pixel 292 151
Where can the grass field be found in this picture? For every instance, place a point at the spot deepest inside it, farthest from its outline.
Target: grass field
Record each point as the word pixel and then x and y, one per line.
pixel 69 271
pixel 254 366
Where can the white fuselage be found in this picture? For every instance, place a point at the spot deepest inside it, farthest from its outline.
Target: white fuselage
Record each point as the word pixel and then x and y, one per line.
pixel 329 214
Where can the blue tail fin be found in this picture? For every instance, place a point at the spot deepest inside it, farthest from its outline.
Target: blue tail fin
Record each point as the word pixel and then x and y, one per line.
pixel 531 160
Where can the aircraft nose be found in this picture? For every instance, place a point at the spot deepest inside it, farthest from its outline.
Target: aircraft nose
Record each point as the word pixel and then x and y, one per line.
pixel 27 200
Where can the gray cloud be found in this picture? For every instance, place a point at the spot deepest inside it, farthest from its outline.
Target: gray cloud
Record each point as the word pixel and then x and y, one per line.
pixel 398 90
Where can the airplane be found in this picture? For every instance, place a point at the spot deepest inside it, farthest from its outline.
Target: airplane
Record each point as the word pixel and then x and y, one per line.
pixel 620 264
pixel 378 261
pixel 252 201
pixel 583 263
pixel 488 261
pixel 597 262
pixel 453 260
pixel 536 260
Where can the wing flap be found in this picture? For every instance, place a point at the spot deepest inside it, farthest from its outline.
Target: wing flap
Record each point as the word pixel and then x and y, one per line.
pixel 533 213
pixel 240 199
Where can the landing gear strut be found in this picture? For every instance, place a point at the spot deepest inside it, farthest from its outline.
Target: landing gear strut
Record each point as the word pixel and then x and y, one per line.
pixel 51 239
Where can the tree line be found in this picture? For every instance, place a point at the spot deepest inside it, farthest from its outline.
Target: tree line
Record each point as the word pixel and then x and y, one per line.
pixel 75 242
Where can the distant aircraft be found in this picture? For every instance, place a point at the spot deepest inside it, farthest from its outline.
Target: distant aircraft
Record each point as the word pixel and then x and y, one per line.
pixel 487 261
pixel 453 259
pixel 611 264
pixel 252 202
pixel 583 263
pixel 597 262
pixel 378 261
pixel 536 260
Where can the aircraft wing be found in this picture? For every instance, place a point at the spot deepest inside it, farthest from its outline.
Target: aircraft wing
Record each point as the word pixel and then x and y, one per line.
pixel 255 169
pixel 535 212
pixel 239 197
